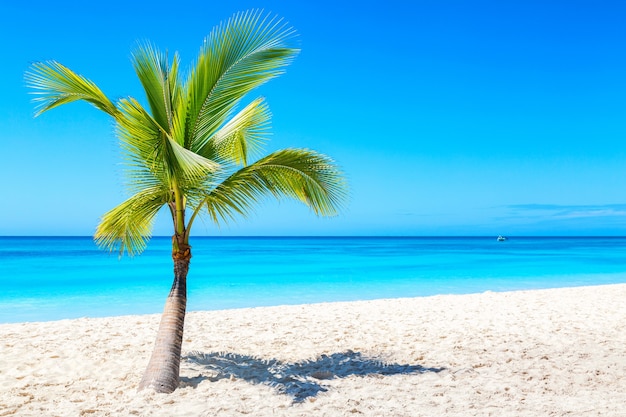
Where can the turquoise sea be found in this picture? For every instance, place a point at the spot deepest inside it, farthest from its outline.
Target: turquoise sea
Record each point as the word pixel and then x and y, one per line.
pixel 51 278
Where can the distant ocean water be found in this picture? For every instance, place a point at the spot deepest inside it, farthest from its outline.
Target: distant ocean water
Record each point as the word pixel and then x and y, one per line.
pixel 51 278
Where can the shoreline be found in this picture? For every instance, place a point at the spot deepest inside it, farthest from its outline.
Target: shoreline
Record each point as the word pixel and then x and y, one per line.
pixel 533 352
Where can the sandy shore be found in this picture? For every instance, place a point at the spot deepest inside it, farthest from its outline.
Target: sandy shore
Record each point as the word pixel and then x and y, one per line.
pixel 535 353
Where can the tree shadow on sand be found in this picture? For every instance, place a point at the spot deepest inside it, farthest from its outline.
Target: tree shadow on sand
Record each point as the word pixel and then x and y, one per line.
pixel 298 380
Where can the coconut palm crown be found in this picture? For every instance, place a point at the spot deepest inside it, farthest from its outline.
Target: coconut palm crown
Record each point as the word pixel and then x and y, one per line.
pixel 194 149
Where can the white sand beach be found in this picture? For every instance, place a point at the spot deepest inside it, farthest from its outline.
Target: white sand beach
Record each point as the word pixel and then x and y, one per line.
pixel 533 353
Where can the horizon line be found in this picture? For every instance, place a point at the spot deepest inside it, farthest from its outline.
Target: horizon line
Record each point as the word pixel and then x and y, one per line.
pixel 335 236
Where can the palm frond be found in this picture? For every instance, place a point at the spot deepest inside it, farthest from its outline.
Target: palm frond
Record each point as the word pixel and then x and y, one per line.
pixel 54 85
pixel 141 140
pixel 241 137
pixel 302 174
pixel 149 148
pixel 188 166
pixel 128 227
pixel 159 82
pixel 237 57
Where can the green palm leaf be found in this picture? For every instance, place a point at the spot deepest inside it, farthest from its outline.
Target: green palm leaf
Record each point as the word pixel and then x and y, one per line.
pixel 237 57
pixel 128 226
pixel 54 85
pixel 304 175
pixel 148 148
pixel 241 137
pixel 160 83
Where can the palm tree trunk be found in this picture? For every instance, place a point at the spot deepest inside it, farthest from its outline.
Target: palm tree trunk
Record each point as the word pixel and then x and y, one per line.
pixel 163 369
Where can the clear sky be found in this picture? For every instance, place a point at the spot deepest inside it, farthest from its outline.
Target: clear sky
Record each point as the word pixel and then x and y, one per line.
pixel 448 117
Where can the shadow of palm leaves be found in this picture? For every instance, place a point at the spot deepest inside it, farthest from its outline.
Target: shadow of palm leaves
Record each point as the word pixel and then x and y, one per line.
pixel 298 380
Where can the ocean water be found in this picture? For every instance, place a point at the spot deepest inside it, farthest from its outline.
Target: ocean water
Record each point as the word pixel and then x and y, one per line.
pixel 51 278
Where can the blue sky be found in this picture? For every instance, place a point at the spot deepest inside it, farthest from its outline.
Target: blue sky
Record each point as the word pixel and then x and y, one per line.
pixel 448 117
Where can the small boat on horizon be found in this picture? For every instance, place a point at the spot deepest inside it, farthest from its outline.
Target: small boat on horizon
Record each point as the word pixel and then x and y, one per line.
pixel 501 238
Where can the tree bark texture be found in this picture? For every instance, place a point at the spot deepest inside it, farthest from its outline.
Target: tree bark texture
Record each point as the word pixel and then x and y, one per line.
pixel 162 373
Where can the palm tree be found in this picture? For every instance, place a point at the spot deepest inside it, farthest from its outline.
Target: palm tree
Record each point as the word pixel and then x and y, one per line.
pixel 192 150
